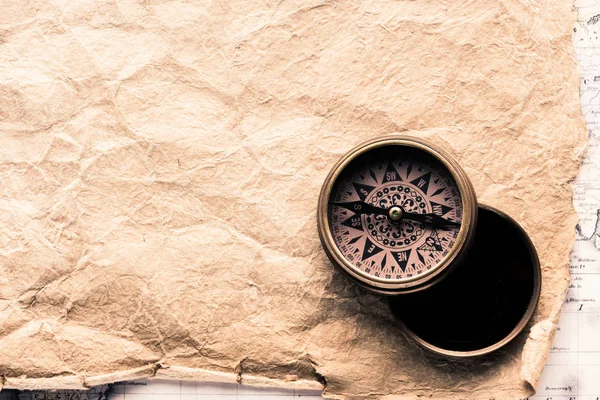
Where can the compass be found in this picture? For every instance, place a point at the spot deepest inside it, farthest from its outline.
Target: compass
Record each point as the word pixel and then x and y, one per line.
pixel 396 214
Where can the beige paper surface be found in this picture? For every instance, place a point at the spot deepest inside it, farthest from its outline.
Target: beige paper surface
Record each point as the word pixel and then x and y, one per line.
pixel 161 162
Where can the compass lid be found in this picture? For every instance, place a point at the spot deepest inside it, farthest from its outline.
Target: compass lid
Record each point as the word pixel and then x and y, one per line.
pixel 486 301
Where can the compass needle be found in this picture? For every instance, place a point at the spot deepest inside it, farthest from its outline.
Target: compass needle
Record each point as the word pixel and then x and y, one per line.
pixel 360 207
pixel 430 219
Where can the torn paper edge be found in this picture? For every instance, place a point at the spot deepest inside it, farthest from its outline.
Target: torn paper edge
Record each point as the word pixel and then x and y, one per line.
pixel 156 371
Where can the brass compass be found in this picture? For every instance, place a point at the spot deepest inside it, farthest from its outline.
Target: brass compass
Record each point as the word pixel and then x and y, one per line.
pixel 399 216
pixel 396 213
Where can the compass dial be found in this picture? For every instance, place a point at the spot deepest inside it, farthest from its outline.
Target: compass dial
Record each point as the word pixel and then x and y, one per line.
pixel 395 214
pixel 381 247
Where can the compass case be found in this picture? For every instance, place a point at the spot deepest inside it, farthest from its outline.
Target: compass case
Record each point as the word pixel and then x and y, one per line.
pixel 485 302
pixel 391 144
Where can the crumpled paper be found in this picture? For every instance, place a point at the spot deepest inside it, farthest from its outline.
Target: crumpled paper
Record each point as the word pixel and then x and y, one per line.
pixel 161 163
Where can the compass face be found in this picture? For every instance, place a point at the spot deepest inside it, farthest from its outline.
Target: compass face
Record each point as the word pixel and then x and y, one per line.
pixel 395 213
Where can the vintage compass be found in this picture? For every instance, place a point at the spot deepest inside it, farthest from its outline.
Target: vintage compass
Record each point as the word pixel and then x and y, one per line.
pixel 399 216
pixel 396 214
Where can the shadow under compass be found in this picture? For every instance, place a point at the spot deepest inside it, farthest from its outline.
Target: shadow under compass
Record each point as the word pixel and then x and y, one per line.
pixel 480 306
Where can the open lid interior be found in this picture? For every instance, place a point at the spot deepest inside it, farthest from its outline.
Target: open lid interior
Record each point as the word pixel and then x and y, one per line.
pixel 485 301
